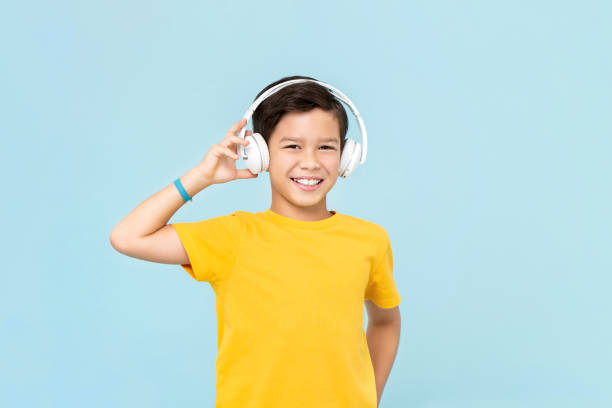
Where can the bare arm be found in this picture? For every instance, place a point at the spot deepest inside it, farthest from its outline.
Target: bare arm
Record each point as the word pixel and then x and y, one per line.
pixel 144 232
pixel 382 334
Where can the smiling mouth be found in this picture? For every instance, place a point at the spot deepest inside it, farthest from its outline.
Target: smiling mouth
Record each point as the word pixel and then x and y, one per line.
pixel 308 185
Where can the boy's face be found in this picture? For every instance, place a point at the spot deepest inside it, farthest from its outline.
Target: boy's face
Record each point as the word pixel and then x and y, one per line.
pixel 303 144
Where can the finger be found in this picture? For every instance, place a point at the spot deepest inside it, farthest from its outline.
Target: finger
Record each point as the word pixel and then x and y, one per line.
pixel 245 173
pixel 237 126
pixel 228 152
pixel 238 139
pixel 233 141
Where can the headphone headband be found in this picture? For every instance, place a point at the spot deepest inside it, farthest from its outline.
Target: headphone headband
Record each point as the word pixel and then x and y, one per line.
pixel 331 89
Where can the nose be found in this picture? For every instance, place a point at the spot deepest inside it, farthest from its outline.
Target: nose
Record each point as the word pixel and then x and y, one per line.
pixel 309 160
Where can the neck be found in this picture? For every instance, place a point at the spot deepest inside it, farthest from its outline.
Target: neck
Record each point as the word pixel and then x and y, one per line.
pixel 313 213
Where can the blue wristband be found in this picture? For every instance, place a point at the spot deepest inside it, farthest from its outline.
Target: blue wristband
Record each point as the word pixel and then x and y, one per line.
pixel 181 189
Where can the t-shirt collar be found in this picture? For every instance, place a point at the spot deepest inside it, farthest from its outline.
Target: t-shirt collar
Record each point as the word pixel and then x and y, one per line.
pixel 292 222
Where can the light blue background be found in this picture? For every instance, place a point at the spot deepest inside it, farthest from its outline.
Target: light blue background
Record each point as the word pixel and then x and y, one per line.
pixel 488 164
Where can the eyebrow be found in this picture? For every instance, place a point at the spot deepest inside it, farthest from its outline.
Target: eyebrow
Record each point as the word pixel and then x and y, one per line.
pixel 297 139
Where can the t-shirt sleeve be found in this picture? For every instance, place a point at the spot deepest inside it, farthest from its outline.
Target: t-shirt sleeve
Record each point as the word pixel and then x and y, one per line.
pixel 211 246
pixel 381 287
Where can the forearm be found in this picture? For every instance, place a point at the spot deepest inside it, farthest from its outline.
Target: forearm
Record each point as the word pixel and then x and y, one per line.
pixel 383 341
pixel 155 212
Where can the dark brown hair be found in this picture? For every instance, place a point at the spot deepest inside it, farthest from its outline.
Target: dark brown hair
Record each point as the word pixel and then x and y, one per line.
pixel 302 97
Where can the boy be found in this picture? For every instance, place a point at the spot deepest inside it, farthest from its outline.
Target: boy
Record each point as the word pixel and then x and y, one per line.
pixel 291 281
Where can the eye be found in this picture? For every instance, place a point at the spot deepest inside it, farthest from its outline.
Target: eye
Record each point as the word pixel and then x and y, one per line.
pixel 330 147
pixel 289 146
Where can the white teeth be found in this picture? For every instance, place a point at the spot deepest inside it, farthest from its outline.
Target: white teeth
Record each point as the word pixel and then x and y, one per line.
pixel 308 182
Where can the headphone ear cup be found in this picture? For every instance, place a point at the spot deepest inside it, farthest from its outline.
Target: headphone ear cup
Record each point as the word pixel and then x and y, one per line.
pixel 258 157
pixel 349 145
pixel 351 153
pixel 263 149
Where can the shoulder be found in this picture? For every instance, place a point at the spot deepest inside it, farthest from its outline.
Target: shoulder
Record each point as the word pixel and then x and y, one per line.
pixel 371 234
pixel 244 216
pixel 235 215
pixel 245 219
pixel 230 221
pixel 364 225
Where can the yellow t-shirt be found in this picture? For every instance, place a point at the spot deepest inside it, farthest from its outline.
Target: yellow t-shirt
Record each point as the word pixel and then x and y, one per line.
pixel 290 306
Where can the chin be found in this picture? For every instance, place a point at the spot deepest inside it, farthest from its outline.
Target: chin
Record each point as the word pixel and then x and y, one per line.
pixel 306 204
pixel 301 201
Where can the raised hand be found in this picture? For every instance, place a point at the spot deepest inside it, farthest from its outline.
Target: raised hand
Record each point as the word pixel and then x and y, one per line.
pixel 219 164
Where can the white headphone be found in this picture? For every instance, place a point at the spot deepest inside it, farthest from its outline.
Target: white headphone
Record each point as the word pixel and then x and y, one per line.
pixel 257 157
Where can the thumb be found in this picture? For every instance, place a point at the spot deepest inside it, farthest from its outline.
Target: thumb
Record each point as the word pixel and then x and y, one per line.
pixel 245 173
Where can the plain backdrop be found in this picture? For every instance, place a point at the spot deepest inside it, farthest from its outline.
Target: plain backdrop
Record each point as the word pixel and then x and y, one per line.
pixel 488 164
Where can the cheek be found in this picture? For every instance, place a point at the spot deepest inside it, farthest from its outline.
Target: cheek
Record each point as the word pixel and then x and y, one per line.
pixel 280 164
pixel 332 163
pixel 279 169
